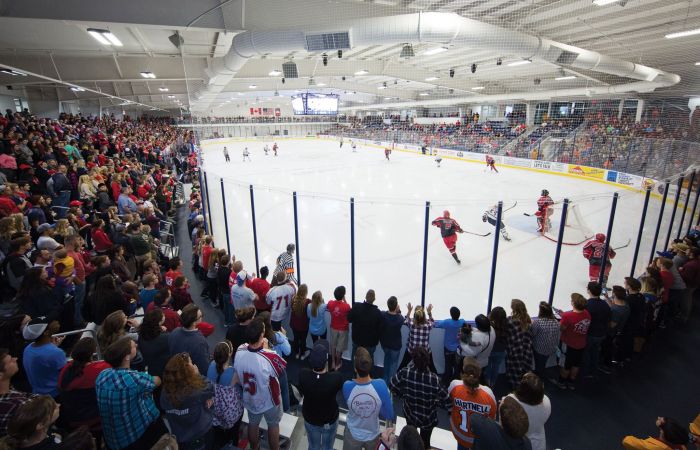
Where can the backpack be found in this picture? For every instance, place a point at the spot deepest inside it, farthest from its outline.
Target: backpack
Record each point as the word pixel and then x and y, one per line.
pixel 228 406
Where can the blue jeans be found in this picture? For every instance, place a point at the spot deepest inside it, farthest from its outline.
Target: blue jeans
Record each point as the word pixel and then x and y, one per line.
pixel 284 390
pixel 321 438
pixel 79 297
pixel 495 361
pixel 228 311
pixel 391 363
pixel 591 356
pixel 62 199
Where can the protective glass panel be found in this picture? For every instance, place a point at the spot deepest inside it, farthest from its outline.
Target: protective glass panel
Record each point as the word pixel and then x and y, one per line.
pixel 274 215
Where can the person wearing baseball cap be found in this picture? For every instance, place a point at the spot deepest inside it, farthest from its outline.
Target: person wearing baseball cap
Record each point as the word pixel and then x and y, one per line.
pixel 46 240
pixel 42 359
pixel 319 388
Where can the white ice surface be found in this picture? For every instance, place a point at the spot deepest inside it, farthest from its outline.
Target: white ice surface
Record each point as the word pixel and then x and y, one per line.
pixel 389 223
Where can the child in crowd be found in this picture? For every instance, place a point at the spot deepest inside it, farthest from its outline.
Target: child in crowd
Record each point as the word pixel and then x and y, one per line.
pixel 181 293
pixel 149 291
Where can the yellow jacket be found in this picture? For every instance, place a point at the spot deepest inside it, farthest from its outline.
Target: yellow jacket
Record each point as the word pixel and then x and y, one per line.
pixel 633 443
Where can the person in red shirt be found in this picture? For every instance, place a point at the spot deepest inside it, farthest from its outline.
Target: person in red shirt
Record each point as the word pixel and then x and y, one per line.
pixel 340 327
pixel 574 330
pixel 162 300
pixel 100 239
pixel 261 286
pixel 174 272
pixel 181 293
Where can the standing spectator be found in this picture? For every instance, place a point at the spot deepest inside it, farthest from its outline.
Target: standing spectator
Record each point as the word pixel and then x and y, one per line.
pixel 469 399
pixel 598 329
pixel 37 298
pixel 129 415
pixel 316 311
pixel 320 388
pixel 236 333
pixel 100 239
pixel 181 294
pixel 340 327
pixel 43 360
pixel 366 320
pixel 10 399
pixel 279 297
pixel 241 295
pixel 174 271
pixel 422 393
pixel 162 301
pixel 672 436
pixel 222 274
pixel 46 240
pixel 189 339
pixel 574 332
pixel 187 401
pixel 634 328
pixel 16 264
pixel 153 342
pixel 258 369
pixel 418 332
pixel 367 401
pixel 519 353
pixel 451 344
pixel 30 425
pixel 278 342
pixel 508 433
pixel 545 338
pixel 690 272
pixel 477 343
pixel 664 266
pixel 619 314
pixel 391 338
pixel 74 247
pixel 530 395
pixel 60 190
pixel 149 291
pixel 299 322
pixel 261 287
pixel 228 403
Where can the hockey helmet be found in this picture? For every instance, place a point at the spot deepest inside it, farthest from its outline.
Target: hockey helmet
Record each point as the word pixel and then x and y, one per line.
pixel 600 237
pixel 446 214
pixel 545 192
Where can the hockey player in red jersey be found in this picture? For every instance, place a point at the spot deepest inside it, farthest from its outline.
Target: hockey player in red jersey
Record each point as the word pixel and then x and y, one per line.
pixel 387 152
pixel 274 148
pixel 490 162
pixel 593 251
pixel 544 211
pixel 448 229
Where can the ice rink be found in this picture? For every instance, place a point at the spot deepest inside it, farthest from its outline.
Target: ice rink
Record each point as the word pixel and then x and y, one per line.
pixel 390 201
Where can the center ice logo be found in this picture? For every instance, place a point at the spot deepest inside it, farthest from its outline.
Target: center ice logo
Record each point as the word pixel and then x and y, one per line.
pixel 364 405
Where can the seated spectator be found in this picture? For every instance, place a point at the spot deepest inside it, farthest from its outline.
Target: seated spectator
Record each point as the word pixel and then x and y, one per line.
pixel 120 267
pixel 100 239
pixel 422 393
pixel 43 360
pixel 114 328
pixel 236 333
pixel 320 388
pixel 187 400
pixel 130 419
pixel 10 399
pixel 175 271
pixel 228 400
pixel 153 341
pixel 508 433
pixel 162 301
pixel 189 339
pixel 545 337
pixel 672 436
pixel 181 293
pixel 362 425
pixel 149 291
pixel 36 297
pixel 469 399
pixel 106 299
pixel 530 395
pixel 30 425
pixel 77 385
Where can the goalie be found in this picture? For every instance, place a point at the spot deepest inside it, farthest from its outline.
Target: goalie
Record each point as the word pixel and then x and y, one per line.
pixel 490 216
pixel 544 212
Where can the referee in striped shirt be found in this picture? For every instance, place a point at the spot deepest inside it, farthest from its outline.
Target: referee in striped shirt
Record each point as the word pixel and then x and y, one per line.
pixel 285 263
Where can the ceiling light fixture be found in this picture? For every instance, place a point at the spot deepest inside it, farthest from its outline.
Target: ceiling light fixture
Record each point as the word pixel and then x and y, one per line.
pixel 253 86
pixel 432 78
pixel 104 37
pixel 424 94
pixel 275 73
pixel 477 88
pixel 522 62
pixel 163 89
pixel 697 63
pixel 681 34
pixel 435 51
pixel 566 77
pixel 321 84
pixel 147 74
pixel 77 89
pixel 14 73
pixel 171 96
pixel 604 2
pixel 361 72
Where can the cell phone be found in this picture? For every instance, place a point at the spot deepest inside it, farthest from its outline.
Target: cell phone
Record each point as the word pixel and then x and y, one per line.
pixel 605 291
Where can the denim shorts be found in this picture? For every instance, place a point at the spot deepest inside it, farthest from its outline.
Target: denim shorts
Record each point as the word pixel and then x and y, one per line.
pixel 273 416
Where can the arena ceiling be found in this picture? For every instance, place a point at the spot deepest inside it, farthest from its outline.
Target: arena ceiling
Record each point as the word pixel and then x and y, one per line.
pixel 48 41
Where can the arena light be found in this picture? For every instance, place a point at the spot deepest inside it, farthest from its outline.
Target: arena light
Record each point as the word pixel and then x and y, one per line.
pixel 361 72
pixel 604 2
pixel 432 78
pixel 14 73
pixel 77 89
pixel 163 89
pixel 275 73
pixel 147 74
pixel 477 88
pixel 522 62
pixel 697 63
pixel 253 86
pixel 321 84
pixel 104 37
pixel 435 51
pixel 171 96
pixel 424 94
pixel 566 77
pixel 681 34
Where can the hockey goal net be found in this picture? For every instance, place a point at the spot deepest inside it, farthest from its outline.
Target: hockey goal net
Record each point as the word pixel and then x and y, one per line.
pixel 576 230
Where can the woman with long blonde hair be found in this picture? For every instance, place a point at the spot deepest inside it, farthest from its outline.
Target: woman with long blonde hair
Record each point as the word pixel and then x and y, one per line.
pixel 86 188
pixel 316 312
pixel 63 230
pixel 418 332
pixel 519 357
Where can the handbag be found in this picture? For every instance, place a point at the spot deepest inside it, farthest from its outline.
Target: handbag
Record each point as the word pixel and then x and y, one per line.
pixel 228 406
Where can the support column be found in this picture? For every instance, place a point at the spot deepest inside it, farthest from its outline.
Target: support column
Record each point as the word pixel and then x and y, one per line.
pixel 530 108
pixel 641 104
pixel 620 107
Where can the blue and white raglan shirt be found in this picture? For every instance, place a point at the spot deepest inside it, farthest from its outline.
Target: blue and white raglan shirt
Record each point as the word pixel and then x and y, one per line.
pixel 366 403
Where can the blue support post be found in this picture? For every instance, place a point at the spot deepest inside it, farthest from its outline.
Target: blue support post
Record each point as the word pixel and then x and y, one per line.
pixel 207 219
pixel 352 249
pixel 223 201
pixel 685 205
pixel 695 205
pixel 557 253
pixel 255 229
pixel 641 230
pixel 425 253
pixel 494 258
pixel 658 224
pixel 679 188
pixel 608 236
pixel 296 235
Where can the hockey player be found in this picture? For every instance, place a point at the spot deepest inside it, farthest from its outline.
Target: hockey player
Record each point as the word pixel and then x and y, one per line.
pixel 285 263
pixel 544 211
pixel 266 149
pixel 438 159
pixel 491 215
pixel 448 229
pixel 341 142
pixel 246 154
pixel 353 145
pixel 226 155
pixel 593 251
pixel 274 148
pixel 387 152
pixel 490 162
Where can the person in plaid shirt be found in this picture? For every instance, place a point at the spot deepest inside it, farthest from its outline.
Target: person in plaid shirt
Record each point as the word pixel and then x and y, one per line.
pixel 418 332
pixel 422 393
pixel 10 399
pixel 130 419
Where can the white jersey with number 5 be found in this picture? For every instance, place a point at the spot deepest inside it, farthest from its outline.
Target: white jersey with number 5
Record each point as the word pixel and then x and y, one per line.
pixel 280 299
pixel 259 371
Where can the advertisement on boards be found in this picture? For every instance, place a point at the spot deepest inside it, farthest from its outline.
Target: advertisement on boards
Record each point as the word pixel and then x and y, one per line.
pixel 589 172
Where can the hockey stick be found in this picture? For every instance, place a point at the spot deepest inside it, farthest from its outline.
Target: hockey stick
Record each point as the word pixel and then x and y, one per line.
pixel 514 205
pixel 476 234
pixel 623 246
pixel 529 215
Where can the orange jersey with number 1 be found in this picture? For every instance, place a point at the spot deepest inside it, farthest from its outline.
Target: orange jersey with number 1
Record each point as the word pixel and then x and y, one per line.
pixel 464 404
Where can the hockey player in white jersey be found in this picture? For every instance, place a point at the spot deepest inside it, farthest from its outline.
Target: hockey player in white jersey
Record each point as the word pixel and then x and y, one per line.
pixel 226 155
pixel 490 216
pixel 438 159
pixel 246 154
pixel 353 145
pixel 266 149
